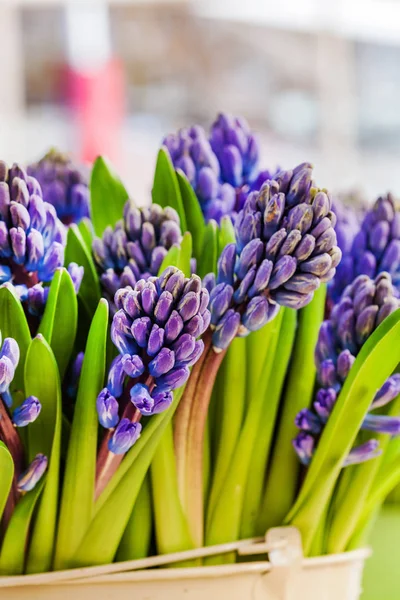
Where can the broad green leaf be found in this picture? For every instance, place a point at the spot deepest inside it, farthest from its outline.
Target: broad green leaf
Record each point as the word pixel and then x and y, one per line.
pixel 60 319
pixel 284 470
pixel 76 251
pixel 226 233
pixel 171 258
pixel 166 190
pixel 107 196
pixel 86 230
pixel 375 362
pixel 137 536
pixel 115 505
pixel 225 521
pixel 185 254
pixel 44 436
pixel 209 254
pixel 77 499
pixel 13 324
pixel 12 555
pixel 194 215
pixel 7 474
pixel 171 525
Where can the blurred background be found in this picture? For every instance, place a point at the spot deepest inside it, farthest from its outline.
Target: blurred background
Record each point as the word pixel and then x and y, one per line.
pixel 318 80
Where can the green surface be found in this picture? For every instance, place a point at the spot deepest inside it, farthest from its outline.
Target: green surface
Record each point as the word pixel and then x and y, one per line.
pixel 382 572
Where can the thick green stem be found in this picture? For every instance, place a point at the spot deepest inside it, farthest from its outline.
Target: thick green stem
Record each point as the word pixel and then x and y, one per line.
pixel 224 524
pixel 257 345
pixel 253 517
pixel 135 542
pixel 194 500
pixel 182 417
pixel 171 526
pixel 285 467
pixel 231 397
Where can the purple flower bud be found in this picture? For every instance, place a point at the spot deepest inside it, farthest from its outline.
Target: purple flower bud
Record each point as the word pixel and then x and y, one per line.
pixel 382 424
pixel 124 436
pixel 226 330
pixel 304 446
pixel 189 305
pixel 76 273
pixel 257 313
pixel 345 361
pixel 327 373
pixel 162 401
pixel 7 371
pixel 220 301
pixel 193 357
pixel 156 340
pixel 27 412
pixel 308 421
pixel 162 363
pixel 284 269
pixel 363 453
pixel 173 327
pixel 33 474
pixel 173 379
pixel 116 377
pixel 226 266
pixel 141 398
pixel 18 244
pixel 388 392
pixel 37 298
pixel 132 365
pixel 107 409
pixel 10 349
pixel 324 403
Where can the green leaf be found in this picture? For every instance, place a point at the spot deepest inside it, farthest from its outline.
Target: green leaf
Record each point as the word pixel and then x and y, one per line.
pixel 172 258
pixel 231 395
pixel 166 190
pixel 86 230
pixel 7 474
pixel 209 254
pixel 194 215
pixel 226 233
pixel 225 520
pixel 115 504
pixel 12 555
pixel 107 196
pixel 60 319
pixel 76 251
pixel 44 437
pixel 77 500
pixel 284 470
pixel 185 254
pixel 251 524
pixel 136 540
pixel 171 525
pixel 375 362
pixel 13 324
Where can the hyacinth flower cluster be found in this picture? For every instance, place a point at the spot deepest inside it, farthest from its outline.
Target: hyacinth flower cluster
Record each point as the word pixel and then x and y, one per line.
pixel 285 248
pixel 32 239
pixel 363 306
pixel 223 167
pixel 26 413
pixel 64 185
pixel 375 246
pixel 191 152
pixel 136 247
pixel 156 331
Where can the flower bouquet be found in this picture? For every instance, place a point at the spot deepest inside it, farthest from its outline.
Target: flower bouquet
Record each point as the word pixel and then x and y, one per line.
pixel 200 382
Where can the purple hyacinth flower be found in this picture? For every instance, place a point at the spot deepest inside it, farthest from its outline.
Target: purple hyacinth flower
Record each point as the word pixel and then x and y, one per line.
pixel 107 409
pixel 141 398
pixel 304 446
pixel 124 436
pixel 135 248
pixel 27 412
pixel 33 474
pixel 351 323
pixel 308 421
pixel 363 453
pixel 64 185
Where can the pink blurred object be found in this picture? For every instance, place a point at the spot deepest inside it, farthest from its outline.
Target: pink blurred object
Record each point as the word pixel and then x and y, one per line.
pixel 97 99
